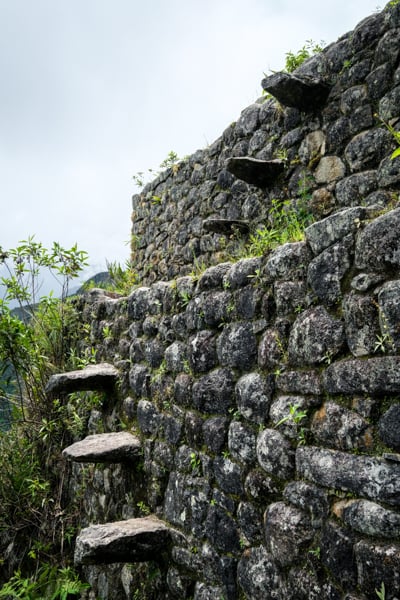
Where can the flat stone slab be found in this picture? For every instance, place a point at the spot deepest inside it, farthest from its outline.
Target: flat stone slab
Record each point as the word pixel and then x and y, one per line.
pixel 133 540
pixel 105 448
pixel 225 226
pixel 306 93
pixel 260 173
pixel 101 377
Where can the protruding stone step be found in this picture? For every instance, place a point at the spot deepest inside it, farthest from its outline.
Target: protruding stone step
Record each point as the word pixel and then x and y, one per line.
pixel 105 448
pixel 134 540
pixel 101 377
pixel 255 171
pixel 225 226
pixel 306 93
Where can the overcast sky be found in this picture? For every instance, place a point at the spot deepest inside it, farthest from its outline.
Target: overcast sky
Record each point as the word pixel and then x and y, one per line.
pixel 93 91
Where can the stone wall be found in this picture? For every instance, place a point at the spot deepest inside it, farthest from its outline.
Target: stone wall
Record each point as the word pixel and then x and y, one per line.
pixel 265 391
pixel 337 149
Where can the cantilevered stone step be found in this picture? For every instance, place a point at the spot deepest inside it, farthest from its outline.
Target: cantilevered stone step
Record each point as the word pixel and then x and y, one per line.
pixel 93 377
pixel 134 540
pixel 306 93
pixel 105 448
pixel 225 226
pixel 255 171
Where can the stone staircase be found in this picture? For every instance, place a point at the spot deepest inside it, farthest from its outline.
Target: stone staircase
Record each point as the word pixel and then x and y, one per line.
pixel 132 540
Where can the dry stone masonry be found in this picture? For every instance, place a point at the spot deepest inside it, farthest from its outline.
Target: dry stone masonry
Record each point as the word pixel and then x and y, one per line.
pixel 254 430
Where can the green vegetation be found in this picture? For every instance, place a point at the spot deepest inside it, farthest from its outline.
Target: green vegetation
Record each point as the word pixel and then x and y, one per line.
pixel 295 59
pixel 171 161
pixel 295 414
pixel 287 221
pixel 381 593
pixel 48 583
pixel 121 279
pixel 46 337
pixel 195 462
pixel 395 134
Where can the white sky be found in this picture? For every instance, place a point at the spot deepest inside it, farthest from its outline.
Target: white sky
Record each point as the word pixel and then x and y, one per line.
pixel 93 91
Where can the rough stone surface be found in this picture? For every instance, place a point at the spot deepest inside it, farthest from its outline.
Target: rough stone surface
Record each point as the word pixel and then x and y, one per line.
pixel 367 476
pixel 213 393
pixel 303 93
pixel 367 149
pixel 237 346
pixel 369 518
pixel 389 314
pixel 275 454
pixel 134 540
pixel 325 233
pixel 389 427
pixel 326 271
pixel 377 564
pixel 378 245
pixel 101 377
pixel 287 532
pixel 105 447
pixel 258 574
pixel 289 261
pixel 337 427
pixel 315 335
pixel 353 190
pixel 254 396
pixel 330 168
pixel 371 376
pixel 257 172
pixel 361 324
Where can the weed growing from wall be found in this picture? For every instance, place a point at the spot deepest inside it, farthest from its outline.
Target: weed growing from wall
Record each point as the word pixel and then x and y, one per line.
pixel 295 59
pixel 287 221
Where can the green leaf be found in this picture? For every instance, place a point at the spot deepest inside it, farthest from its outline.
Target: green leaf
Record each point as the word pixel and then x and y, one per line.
pixel 395 153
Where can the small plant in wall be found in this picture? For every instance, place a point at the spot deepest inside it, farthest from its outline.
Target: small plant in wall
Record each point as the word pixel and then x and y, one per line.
pixel 295 59
pixel 395 134
pixel 296 415
pixel 171 161
pixel 195 463
pixel 381 593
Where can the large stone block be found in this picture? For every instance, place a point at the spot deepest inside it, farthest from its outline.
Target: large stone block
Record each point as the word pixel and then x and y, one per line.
pixel 367 476
pixel 289 262
pixel 378 245
pixel 134 540
pixel 213 393
pixel 326 271
pixel 112 447
pixel 275 453
pixel 367 149
pixel 242 442
pixel 361 323
pixel 338 427
pixel 258 575
pixel 353 190
pixel 377 376
pixel 377 564
pixel 337 554
pixel 237 346
pixel 304 93
pixel 102 377
pixel 325 233
pixel 315 337
pixel 369 518
pixel 288 531
pixel 389 427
